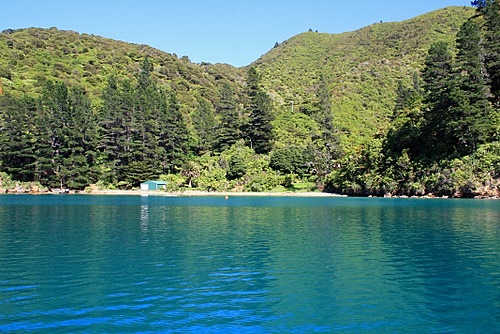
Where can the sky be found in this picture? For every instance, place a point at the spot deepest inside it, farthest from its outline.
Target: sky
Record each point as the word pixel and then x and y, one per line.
pixel 236 32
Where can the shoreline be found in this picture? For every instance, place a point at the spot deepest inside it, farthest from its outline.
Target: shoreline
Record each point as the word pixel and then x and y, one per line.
pixel 227 194
pixel 199 193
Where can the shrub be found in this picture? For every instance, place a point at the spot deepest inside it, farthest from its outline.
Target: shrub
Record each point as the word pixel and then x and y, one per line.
pixel 174 181
pixel 290 159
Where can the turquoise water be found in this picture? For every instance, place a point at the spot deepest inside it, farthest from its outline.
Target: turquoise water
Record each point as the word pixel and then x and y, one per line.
pixel 111 264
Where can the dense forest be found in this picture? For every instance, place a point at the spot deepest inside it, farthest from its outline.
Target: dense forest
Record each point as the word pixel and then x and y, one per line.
pixel 402 108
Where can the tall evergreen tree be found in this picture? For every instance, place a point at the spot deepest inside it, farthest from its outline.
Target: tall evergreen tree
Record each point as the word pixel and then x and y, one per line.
pixel 64 131
pixel 470 119
pixel 149 110
pixel 82 144
pixel 144 80
pixel 174 136
pixel 436 138
pixel 228 130
pixel 436 75
pixel 407 97
pixel 117 122
pixel 144 133
pixel 17 154
pixel 490 9
pixel 407 116
pixel 51 141
pixel 259 128
pixel 203 118
pixel 327 144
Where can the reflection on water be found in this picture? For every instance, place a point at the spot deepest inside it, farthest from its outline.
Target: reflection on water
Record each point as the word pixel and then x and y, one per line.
pixel 144 219
pixel 156 264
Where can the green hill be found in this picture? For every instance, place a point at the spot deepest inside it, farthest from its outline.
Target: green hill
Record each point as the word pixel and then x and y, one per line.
pixel 361 67
pixel 30 57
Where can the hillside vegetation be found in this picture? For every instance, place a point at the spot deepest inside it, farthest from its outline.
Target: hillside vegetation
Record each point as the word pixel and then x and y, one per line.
pixel 306 115
pixel 361 68
pixel 31 57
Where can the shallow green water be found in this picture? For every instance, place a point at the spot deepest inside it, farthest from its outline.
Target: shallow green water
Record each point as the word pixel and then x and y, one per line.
pixel 104 264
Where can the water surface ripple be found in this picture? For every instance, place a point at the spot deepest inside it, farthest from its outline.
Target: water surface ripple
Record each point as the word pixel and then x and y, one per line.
pixel 111 264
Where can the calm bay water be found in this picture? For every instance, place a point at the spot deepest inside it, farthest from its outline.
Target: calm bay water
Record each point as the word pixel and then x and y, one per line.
pixel 106 264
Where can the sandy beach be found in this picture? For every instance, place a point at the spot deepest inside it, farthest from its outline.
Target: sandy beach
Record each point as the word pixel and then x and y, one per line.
pixel 189 193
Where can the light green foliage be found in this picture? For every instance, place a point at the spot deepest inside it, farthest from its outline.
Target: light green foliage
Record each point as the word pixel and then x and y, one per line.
pixel 175 182
pixel 293 128
pixel 239 159
pixel 6 181
pixel 361 69
pixel 209 175
pixel 33 56
pixel 291 159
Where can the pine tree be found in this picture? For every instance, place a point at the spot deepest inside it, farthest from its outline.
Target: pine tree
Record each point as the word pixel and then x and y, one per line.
pixel 407 97
pixel 228 131
pixel 65 139
pixel 148 110
pixel 174 135
pixel 491 11
pixel 17 154
pixel 144 80
pixel 436 74
pixel 436 138
pixel 51 142
pixel 470 119
pixel 259 128
pixel 407 116
pixel 327 144
pixel 203 118
pixel 81 131
pixel 117 126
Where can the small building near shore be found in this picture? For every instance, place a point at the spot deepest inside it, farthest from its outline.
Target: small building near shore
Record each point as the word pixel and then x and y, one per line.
pixel 153 185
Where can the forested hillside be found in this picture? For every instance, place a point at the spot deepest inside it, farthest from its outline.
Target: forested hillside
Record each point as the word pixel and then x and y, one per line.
pixel 31 57
pixel 360 68
pixel 349 113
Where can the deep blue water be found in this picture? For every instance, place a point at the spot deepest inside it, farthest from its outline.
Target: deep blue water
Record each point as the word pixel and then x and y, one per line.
pixel 117 264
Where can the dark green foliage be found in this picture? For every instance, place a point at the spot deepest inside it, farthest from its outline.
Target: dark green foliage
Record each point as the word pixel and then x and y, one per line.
pixel 407 98
pixel 491 12
pixel 436 137
pixel 479 3
pixel 17 155
pixel 436 74
pixel 117 130
pixel 228 131
pixel 259 128
pixel 204 122
pixel 81 132
pixel 237 166
pixel 471 114
pixel 174 136
pixel 458 115
pixel 143 131
pixel 291 159
pixel 64 138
